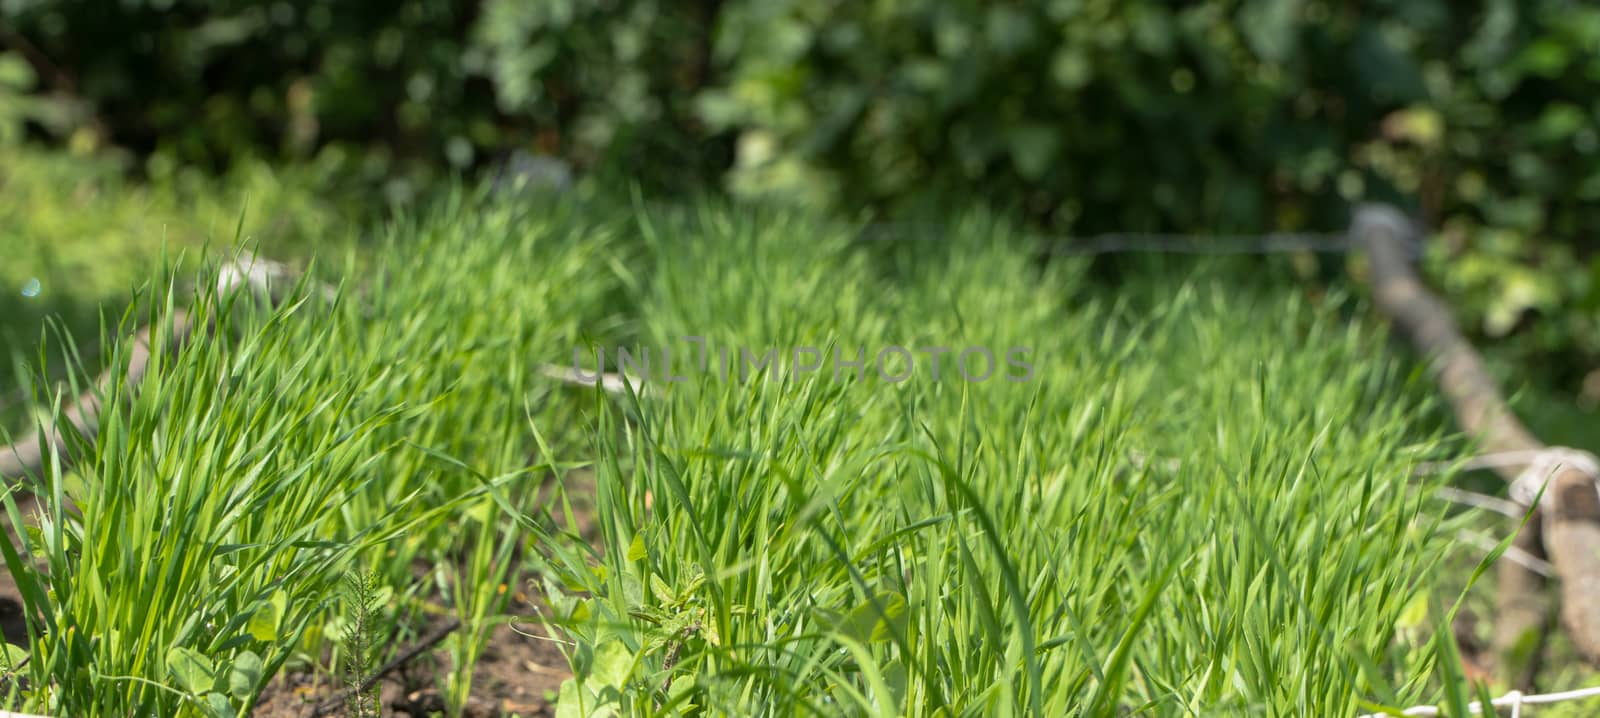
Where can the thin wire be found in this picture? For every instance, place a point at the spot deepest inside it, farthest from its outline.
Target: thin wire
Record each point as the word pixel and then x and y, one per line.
pixel 1152 242
pixel 1276 243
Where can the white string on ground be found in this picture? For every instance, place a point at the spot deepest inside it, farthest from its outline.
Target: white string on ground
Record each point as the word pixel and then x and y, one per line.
pixel 611 382
pixel 1513 554
pixel 1541 466
pixel 1514 700
pixel 1486 502
pixel 1482 461
pixel 1545 465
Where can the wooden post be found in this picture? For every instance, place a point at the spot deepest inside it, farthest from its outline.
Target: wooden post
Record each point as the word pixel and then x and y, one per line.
pixel 1569 515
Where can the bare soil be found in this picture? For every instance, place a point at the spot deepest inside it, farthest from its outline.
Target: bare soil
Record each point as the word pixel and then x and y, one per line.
pixel 518 674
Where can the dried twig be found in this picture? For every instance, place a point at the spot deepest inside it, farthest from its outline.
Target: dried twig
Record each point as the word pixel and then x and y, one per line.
pixel 41 62
pixel 424 644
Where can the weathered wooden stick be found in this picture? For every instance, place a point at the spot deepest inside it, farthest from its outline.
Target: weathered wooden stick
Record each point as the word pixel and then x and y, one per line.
pixel 1568 517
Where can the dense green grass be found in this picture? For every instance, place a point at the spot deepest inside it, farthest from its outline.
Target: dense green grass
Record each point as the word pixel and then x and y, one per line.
pixel 222 504
pixel 1199 502
pixel 77 236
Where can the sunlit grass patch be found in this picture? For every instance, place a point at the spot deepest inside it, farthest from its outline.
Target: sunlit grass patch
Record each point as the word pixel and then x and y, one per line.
pixel 1197 509
pixel 937 478
pixel 200 545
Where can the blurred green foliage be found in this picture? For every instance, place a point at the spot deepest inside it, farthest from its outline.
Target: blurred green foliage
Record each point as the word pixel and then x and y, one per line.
pixel 409 86
pixel 606 84
pixel 1085 115
pixel 79 241
pixel 1093 115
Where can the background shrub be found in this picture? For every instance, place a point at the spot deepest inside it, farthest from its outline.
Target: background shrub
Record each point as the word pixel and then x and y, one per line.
pixel 1086 115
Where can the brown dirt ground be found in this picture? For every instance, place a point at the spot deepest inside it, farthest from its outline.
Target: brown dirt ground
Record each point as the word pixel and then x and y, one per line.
pixel 518 674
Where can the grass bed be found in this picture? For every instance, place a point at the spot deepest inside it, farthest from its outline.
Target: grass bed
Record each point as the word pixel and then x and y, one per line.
pixel 1198 502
